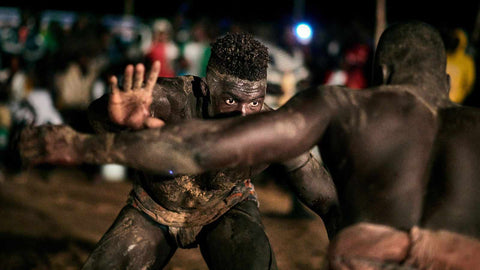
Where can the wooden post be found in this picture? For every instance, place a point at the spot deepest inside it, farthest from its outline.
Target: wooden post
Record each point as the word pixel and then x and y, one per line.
pixel 128 7
pixel 381 20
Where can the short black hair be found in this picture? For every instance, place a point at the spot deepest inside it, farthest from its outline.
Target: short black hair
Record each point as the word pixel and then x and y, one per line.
pixel 239 55
pixel 414 49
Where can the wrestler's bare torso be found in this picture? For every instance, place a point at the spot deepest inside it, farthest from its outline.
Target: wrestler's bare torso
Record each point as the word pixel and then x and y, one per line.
pixel 188 98
pixel 377 148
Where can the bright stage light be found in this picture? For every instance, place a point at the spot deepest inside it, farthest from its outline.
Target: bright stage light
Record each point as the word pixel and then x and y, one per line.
pixel 304 32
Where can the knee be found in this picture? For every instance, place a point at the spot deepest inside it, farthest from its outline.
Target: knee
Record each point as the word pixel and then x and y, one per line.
pixel 237 241
pixel 130 242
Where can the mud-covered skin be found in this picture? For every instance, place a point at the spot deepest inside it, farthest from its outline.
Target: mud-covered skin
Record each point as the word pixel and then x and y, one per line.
pixel 193 192
pixel 174 99
pixel 50 144
pixel 243 96
pixel 138 238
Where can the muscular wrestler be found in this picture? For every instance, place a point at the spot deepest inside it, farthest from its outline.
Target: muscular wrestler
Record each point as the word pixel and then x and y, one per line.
pixel 403 158
pixel 215 210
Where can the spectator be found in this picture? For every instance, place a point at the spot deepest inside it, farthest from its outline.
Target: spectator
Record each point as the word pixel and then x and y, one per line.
pixel 163 48
pixel 13 79
pixel 460 65
pixel 196 52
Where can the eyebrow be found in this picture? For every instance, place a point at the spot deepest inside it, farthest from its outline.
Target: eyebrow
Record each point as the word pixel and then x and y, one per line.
pixel 250 87
pixel 241 99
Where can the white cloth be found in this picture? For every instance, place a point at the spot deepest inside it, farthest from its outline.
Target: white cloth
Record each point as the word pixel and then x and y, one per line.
pixel 45 112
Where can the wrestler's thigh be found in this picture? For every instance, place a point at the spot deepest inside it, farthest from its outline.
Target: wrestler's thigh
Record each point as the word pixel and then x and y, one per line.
pixel 133 241
pixel 237 241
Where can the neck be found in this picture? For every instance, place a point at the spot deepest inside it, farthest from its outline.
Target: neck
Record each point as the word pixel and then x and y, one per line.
pixel 434 97
pixel 431 89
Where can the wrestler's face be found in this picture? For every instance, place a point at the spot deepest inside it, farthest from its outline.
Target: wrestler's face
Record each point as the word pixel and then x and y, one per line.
pixel 231 95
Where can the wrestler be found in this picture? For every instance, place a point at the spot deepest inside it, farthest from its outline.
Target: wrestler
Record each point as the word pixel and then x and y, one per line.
pixel 216 210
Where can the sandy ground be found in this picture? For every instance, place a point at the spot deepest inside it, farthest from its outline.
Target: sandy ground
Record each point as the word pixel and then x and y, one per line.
pixel 52 220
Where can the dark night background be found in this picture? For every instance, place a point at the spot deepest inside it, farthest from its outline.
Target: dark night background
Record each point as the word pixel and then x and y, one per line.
pixel 452 13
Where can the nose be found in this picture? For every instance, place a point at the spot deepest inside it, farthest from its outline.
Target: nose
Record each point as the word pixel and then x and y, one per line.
pixel 244 110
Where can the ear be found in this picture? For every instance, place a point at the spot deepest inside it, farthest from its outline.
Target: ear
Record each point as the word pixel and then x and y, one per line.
pixel 386 74
pixel 381 74
pixel 448 82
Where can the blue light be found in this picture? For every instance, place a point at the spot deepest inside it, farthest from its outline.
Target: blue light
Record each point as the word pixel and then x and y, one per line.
pixel 170 172
pixel 304 33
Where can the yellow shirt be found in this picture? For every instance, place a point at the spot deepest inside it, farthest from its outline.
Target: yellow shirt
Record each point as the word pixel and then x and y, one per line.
pixel 461 68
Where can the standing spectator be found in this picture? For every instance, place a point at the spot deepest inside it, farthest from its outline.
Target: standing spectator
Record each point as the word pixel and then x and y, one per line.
pixel 74 89
pixel 13 78
pixel 460 65
pixel 163 48
pixel 196 52
pixel 40 98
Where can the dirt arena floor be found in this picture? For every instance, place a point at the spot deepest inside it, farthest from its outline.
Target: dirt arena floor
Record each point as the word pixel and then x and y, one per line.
pixel 52 220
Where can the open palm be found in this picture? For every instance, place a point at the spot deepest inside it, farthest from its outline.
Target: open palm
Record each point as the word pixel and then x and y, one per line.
pixel 130 106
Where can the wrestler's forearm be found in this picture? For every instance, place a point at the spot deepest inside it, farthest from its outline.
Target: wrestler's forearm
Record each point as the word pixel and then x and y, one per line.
pixel 154 150
pixel 313 185
pixel 186 148
pixel 147 150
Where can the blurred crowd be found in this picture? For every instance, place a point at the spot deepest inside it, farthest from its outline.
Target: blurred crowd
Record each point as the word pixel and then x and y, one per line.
pixel 54 63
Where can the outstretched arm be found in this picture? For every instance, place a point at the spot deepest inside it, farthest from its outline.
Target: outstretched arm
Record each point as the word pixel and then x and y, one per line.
pixel 197 145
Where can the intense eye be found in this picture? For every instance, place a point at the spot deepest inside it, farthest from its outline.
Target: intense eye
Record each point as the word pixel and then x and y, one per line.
pixel 230 101
pixel 254 103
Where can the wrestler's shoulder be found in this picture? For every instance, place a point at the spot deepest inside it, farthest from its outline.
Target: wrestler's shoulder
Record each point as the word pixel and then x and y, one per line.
pixel 188 83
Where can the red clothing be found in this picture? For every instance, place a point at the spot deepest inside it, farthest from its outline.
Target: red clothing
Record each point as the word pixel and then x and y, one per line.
pixel 158 52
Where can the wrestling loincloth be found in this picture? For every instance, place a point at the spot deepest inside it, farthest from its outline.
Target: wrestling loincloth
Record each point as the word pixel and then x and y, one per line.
pixel 371 246
pixel 185 225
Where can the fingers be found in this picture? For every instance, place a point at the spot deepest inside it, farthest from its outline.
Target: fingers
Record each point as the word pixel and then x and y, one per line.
pixel 127 78
pixel 113 82
pixel 153 75
pixel 138 76
pixel 153 122
pixel 134 77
